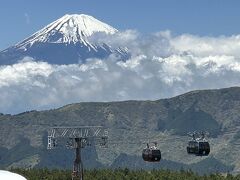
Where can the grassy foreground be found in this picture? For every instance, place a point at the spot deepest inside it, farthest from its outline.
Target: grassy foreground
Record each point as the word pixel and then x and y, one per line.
pixel 120 174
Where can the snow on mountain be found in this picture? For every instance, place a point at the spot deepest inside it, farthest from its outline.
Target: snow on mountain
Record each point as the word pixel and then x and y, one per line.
pixel 69 29
pixel 64 41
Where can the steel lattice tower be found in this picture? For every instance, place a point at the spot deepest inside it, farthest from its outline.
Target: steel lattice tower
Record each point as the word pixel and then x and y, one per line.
pixel 77 138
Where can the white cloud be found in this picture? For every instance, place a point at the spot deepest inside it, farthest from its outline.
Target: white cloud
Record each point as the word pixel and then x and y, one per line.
pixel 206 46
pixel 161 66
pixel 27 18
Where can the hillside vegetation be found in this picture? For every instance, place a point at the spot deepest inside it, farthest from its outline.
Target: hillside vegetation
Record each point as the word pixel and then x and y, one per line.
pixel 131 125
pixel 121 174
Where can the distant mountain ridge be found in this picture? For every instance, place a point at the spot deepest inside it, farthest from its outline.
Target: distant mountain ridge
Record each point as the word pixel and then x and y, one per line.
pixel 131 123
pixel 64 41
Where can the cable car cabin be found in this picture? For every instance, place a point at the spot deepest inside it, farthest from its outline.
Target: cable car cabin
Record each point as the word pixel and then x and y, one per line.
pixel 199 148
pixel 151 154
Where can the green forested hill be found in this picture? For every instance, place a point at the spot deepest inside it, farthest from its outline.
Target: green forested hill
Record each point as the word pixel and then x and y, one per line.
pixel 131 124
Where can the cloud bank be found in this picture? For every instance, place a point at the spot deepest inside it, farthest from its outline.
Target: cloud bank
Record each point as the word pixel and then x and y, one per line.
pixel 161 66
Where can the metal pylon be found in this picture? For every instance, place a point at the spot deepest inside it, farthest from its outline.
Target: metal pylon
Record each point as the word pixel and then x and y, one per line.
pixel 77 165
pixel 77 138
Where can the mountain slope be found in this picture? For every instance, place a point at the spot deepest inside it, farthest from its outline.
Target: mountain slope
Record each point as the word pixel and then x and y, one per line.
pixel 131 124
pixel 69 29
pixel 64 41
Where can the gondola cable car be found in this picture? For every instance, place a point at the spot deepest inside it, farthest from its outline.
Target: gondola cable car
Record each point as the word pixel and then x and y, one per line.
pixel 151 153
pixel 198 145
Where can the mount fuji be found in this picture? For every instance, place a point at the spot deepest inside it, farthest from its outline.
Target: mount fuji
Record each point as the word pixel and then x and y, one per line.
pixel 64 41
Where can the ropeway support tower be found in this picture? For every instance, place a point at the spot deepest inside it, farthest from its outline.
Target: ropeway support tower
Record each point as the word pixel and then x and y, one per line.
pixel 77 138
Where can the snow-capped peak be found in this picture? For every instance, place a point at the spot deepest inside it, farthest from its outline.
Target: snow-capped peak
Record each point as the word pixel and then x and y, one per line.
pixel 69 29
pixel 83 23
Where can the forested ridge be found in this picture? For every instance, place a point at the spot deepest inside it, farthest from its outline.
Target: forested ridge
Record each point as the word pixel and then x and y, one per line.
pixel 23 142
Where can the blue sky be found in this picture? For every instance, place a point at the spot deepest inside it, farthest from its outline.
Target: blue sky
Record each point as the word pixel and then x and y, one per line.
pixel 21 18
